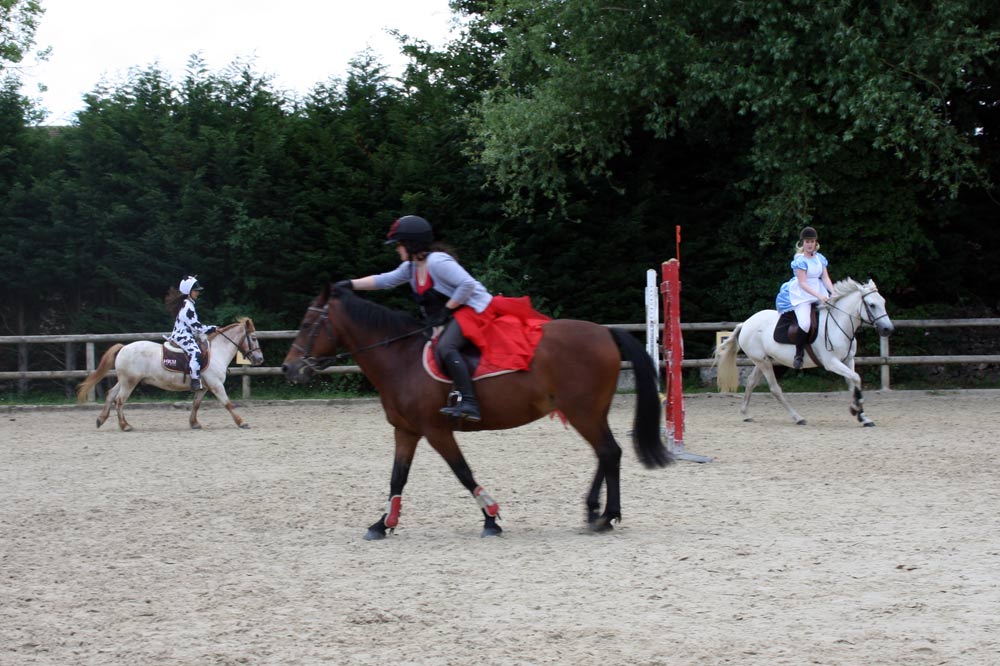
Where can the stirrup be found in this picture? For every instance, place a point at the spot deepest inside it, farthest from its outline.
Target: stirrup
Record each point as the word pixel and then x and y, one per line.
pixel 460 408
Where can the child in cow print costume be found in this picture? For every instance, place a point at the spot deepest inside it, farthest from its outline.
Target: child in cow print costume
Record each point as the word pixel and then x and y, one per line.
pixel 187 328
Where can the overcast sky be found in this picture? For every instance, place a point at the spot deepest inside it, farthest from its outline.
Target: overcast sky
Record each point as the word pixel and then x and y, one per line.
pixel 298 42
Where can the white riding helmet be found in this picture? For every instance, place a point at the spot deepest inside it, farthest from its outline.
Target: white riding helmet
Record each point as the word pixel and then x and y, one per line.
pixel 189 284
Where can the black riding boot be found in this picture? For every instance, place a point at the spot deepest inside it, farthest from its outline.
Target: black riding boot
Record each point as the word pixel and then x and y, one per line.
pixel 797 338
pixel 468 406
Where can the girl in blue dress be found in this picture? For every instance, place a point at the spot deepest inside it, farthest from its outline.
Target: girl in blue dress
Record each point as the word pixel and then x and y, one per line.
pixel 810 284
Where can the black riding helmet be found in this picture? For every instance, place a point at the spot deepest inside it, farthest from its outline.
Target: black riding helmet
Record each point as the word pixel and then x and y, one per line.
pixel 808 232
pixel 410 228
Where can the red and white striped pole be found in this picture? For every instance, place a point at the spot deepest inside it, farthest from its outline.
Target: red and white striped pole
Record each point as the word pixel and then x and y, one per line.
pixel 673 356
pixel 673 352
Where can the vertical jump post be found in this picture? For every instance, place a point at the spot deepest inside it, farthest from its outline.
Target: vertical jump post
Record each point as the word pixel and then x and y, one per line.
pixel 673 356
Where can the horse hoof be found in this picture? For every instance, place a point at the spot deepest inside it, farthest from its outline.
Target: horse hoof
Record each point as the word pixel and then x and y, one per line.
pixel 801 422
pixel 493 530
pixel 99 423
pixel 601 525
pixel 748 419
pixel 244 426
pixel 195 426
pixel 869 424
pixel 374 535
pixel 127 428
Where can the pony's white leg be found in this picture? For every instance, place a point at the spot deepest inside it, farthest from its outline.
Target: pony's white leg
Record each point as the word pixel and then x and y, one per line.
pixel 199 395
pixel 108 400
pixel 223 397
pixel 752 380
pixel 772 384
pixel 125 387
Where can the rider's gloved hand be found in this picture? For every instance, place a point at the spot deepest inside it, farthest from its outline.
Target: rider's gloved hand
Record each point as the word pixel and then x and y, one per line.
pixel 439 319
pixel 343 284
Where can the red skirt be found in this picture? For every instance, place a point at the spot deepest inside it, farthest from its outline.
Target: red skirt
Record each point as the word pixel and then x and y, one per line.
pixel 506 332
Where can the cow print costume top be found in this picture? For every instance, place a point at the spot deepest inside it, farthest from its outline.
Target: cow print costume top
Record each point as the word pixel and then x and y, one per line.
pixel 187 328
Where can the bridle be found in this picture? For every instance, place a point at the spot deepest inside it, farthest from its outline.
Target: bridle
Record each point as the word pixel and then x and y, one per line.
pixel 249 340
pixel 323 321
pixel 867 310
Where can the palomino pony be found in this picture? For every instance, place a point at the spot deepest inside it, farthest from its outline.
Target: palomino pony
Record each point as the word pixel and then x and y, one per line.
pixel 851 305
pixel 141 362
pixel 574 372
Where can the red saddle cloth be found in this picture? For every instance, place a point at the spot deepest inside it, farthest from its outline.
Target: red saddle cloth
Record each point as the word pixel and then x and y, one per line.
pixel 506 334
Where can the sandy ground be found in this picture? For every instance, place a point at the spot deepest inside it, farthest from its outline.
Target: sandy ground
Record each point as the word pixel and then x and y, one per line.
pixel 823 544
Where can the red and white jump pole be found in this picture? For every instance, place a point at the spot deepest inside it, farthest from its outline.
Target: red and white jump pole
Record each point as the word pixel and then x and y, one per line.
pixel 673 351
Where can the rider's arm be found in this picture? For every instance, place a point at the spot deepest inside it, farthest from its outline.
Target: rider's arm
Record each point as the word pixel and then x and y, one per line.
pixel 366 283
pixel 826 280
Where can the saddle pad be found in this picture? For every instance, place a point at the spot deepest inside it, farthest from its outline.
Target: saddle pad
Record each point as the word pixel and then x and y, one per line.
pixel 174 358
pixel 434 370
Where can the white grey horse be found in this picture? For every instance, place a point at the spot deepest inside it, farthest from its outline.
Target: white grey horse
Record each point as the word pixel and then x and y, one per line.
pixel 141 362
pixel 851 305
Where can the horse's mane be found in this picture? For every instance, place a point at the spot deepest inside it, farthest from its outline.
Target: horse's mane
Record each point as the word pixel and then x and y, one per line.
pixel 844 287
pixel 239 322
pixel 372 315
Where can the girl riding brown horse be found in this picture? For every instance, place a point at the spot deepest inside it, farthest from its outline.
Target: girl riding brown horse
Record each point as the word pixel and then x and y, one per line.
pixel 574 372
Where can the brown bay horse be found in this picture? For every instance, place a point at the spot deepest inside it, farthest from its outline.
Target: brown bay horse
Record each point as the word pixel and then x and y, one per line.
pixel 574 371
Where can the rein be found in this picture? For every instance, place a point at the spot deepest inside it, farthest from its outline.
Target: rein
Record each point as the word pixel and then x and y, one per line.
pixel 326 361
pixel 246 337
pixel 850 336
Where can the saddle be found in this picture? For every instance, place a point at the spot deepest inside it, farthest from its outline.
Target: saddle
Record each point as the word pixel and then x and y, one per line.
pixel 479 370
pixel 176 359
pixel 786 331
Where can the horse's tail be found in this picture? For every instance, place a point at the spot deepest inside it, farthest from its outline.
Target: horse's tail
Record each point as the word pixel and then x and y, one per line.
pixel 728 377
pixel 646 428
pixel 107 362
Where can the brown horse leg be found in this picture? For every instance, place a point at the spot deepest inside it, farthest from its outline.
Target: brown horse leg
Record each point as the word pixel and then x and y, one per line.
pixel 594 496
pixel 609 456
pixel 445 444
pixel 406 446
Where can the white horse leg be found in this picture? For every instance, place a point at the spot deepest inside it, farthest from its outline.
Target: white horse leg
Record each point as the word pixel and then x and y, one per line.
pixel 772 384
pixel 857 398
pixel 125 388
pixel 752 380
pixel 853 380
pixel 199 395
pixel 106 412
pixel 219 390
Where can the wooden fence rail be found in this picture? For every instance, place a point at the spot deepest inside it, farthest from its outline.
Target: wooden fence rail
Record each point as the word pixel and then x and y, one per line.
pixel 884 359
